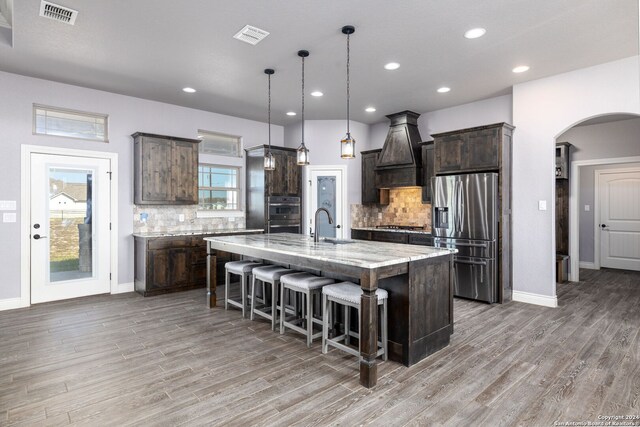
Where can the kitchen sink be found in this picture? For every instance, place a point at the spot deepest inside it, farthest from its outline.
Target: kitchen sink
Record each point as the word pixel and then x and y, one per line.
pixel 337 241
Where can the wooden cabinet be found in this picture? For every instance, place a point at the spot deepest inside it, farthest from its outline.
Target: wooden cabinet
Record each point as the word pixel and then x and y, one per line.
pixel 471 150
pixel 165 170
pixel 169 264
pixel 371 194
pixel 428 164
pixel 286 179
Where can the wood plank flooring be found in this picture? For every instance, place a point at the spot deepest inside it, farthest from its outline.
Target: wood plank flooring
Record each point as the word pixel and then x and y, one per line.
pixel 168 360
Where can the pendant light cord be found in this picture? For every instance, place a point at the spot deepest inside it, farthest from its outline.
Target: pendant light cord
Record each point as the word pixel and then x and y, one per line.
pixel 303 100
pixel 348 94
pixel 269 113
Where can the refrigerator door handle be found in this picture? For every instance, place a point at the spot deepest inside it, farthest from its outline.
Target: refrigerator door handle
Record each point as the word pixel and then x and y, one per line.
pixel 459 210
pixel 474 245
pixel 462 261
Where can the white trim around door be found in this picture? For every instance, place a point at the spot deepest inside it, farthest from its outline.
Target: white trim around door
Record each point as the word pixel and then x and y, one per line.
pixel 574 219
pixel 25 210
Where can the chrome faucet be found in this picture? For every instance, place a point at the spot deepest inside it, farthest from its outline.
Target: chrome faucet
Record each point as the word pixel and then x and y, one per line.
pixel 315 234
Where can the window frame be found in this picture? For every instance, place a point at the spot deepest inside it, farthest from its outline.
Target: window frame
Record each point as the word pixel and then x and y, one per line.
pixel 70 111
pixel 238 188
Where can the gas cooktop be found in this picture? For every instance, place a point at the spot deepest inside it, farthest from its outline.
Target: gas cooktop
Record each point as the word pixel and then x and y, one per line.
pixel 400 227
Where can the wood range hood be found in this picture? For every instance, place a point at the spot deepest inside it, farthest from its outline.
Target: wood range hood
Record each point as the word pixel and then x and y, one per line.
pixel 399 163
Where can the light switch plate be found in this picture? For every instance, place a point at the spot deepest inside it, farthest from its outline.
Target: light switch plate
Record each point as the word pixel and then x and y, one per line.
pixel 542 205
pixel 181 217
pixel 9 217
pixel 587 208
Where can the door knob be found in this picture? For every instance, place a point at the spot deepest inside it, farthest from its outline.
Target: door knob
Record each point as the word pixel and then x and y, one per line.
pixel 36 226
pixel 603 225
pixel 38 237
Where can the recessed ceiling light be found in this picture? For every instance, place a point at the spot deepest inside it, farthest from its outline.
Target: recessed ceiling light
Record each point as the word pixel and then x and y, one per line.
pixel 444 89
pixel 291 113
pixel 316 93
pixel 189 89
pixel 521 69
pixel 474 33
pixel 370 109
pixel 392 66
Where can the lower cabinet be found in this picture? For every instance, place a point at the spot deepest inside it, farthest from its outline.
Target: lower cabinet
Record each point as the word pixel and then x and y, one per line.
pixel 393 237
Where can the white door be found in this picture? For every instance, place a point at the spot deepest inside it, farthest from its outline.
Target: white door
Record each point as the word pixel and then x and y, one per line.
pixel 619 199
pixel 70 221
pixel 326 191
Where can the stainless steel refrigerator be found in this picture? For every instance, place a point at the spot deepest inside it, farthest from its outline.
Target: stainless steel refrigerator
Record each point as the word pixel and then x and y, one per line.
pixel 465 217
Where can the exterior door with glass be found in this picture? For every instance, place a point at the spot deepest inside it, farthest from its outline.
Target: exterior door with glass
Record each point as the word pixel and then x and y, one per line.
pixel 69 230
pixel 326 191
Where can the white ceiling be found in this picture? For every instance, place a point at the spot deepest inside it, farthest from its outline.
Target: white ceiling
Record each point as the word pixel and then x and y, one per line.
pixel 153 48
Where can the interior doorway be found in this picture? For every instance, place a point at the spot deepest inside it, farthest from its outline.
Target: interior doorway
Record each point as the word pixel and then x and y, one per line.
pixel 68 204
pixel 327 189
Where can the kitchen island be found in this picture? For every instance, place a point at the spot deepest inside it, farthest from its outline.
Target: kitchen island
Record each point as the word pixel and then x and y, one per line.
pixel 419 280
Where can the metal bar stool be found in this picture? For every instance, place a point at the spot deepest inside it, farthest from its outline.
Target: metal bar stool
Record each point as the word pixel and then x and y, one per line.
pixel 308 285
pixel 348 295
pixel 268 274
pixel 243 269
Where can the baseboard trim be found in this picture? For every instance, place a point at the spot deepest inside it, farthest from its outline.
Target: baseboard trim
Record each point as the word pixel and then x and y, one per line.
pixel 537 299
pixel 588 265
pixel 11 303
pixel 121 288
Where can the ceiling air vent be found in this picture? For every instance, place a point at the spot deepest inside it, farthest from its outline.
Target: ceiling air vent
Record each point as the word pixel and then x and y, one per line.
pixel 251 35
pixel 58 13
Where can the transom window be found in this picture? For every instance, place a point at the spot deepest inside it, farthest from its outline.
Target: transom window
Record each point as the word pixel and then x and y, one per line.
pixel 219 144
pixel 219 187
pixel 69 123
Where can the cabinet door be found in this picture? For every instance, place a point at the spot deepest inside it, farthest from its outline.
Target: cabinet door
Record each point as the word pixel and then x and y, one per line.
pixel 156 162
pixel 389 236
pixel 449 152
pixel 482 149
pixel 370 193
pixel 276 179
pixel 184 176
pixel 158 269
pixel 293 175
pixel 428 165
pixel 179 266
pixel 360 234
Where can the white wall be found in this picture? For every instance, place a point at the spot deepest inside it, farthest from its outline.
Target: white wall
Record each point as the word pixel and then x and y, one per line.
pixel 542 110
pixel 322 138
pixel 605 140
pixel 126 116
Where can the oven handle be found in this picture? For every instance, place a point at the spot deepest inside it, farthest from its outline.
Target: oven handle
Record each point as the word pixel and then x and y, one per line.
pixel 461 261
pixel 284 204
pixel 283 225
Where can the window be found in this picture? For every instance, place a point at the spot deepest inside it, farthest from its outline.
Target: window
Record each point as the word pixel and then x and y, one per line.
pixel 218 187
pixel 220 144
pixel 69 123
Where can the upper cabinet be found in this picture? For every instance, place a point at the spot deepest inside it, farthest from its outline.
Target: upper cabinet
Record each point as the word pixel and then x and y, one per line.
pixel 471 150
pixel 286 179
pixel 428 164
pixel 371 194
pixel 165 170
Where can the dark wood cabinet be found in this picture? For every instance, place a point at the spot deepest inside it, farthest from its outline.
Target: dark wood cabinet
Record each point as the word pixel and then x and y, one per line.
pixel 165 170
pixel 286 179
pixel 371 194
pixel 470 150
pixel 428 165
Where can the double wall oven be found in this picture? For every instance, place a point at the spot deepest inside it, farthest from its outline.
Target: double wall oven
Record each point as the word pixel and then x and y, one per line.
pixel 284 214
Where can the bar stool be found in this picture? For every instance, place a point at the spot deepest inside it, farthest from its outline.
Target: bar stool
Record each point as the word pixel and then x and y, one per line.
pixel 308 285
pixel 268 274
pixel 243 269
pixel 348 295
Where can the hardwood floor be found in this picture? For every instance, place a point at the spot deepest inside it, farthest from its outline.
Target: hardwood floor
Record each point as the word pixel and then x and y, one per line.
pixel 168 360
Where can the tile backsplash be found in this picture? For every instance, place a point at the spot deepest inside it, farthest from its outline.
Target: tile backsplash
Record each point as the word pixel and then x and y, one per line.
pixel 405 208
pixel 166 219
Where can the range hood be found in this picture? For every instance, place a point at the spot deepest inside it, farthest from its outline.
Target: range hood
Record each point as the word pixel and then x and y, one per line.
pixel 399 163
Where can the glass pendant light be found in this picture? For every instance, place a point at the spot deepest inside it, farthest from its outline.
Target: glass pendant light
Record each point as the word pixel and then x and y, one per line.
pixel 303 151
pixel 348 144
pixel 269 160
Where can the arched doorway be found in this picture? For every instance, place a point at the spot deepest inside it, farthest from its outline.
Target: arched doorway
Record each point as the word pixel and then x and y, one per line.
pixel 603 142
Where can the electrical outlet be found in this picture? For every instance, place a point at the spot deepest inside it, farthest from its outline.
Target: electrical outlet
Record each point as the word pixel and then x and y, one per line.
pixel 542 205
pixel 181 217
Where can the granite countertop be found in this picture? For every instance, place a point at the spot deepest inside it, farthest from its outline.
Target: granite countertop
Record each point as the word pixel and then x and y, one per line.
pixel 358 253
pixel 392 230
pixel 154 234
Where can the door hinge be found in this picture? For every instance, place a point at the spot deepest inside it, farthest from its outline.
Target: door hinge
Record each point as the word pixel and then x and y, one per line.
pixel 109 175
pixel 109 226
pixel 310 183
pixel 109 276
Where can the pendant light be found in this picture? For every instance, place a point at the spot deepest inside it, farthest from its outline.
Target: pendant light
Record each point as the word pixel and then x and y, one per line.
pixel 348 144
pixel 269 160
pixel 303 151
